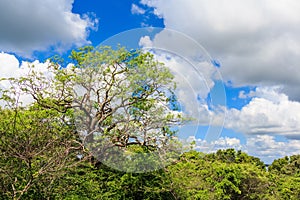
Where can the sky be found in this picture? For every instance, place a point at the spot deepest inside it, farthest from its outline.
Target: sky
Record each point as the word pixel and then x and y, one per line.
pixel 246 92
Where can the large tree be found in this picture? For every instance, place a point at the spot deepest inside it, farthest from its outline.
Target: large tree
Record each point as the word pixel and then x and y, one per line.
pixel 123 104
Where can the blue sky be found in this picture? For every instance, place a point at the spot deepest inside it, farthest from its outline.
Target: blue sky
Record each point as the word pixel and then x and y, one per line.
pixel 255 42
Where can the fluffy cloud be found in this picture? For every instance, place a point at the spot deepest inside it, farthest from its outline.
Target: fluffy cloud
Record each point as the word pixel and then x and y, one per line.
pixel 11 68
pixel 32 25
pixel 267 148
pixel 269 112
pixel 9 64
pixel 257 41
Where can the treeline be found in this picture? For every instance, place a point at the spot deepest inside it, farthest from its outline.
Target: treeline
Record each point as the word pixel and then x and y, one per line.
pixel 225 174
pixel 42 157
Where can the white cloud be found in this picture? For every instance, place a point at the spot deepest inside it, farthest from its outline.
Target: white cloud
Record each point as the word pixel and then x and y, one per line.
pixel 212 146
pixel 267 148
pixel 8 65
pixel 11 68
pixel 145 42
pixel 269 112
pixel 35 25
pixel 223 143
pixel 136 10
pixel 257 41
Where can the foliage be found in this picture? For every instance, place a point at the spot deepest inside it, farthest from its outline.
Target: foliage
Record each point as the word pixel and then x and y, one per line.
pixel 197 177
pixel 100 182
pixel 36 146
pixel 286 177
pixel 232 156
pixel 287 165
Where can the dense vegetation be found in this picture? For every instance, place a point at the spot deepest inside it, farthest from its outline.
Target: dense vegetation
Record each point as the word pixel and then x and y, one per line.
pixel 43 154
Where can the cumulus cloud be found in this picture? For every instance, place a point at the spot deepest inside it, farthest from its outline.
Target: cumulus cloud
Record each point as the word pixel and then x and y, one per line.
pixel 257 41
pixel 34 25
pixel 9 64
pixel 267 148
pixel 11 68
pixel 268 112
pixel 212 146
